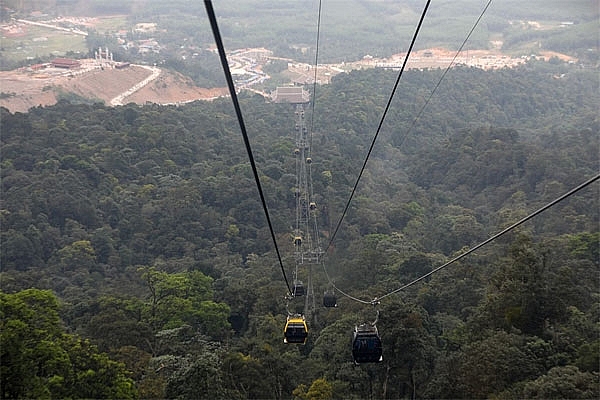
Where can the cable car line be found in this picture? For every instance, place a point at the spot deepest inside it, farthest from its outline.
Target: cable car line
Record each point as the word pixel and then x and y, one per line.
pixel 314 96
pixel 331 300
pixel 366 340
pixel 414 122
pixel 219 42
pixel 496 236
pixel 405 136
pixel 307 247
pixel 387 107
pixel 376 300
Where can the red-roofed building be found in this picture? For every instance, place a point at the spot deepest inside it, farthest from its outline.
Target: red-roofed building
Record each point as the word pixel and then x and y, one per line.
pixel 67 63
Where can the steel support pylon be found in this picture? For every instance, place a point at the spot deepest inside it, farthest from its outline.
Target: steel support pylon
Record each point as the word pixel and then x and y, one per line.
pixel 307 250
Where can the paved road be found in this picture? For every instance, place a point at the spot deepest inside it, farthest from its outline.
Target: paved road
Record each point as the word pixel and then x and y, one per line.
pixel 118 101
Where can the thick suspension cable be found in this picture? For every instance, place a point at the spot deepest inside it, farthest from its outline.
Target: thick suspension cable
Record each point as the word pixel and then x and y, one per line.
pixel 496 236
pixel 387 107
pixel 219 42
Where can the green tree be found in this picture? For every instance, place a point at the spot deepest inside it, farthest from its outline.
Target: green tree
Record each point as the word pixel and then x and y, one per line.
pixel 91 374
pixel 198 378
pixel 40 361
pixel 521 294
pixel 186 365
pixel 494 364
pixel 79 254
pixel 320 390
pixel 184 297
pixel 30 323
pixel 566 382
pixel 245 375
pixel 589 357
pixel 408 349
pixel 113 323
pixel 17 251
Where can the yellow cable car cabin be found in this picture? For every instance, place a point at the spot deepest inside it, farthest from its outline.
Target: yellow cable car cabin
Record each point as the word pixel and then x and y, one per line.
pixel 295 330
pixel 297 240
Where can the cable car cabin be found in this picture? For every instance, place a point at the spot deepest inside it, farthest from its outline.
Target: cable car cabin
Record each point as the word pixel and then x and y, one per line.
pixel 295 330
pixel 329 299
pixel 366 345
pixel 298 289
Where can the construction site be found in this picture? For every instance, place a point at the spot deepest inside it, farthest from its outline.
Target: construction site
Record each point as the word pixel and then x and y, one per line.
pixel 116 83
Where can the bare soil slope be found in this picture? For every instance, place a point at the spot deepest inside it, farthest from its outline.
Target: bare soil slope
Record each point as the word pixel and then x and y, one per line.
pixel 171 88
pixel 104 84
pixel 22 90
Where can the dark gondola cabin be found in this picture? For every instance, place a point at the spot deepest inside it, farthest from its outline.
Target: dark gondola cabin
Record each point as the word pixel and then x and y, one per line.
pixel 295 330
pixel 329 299
pixel 298 289
pixel 366 344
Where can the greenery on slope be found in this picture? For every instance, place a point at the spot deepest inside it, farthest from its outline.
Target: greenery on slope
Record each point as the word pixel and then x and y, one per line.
pixel 145 224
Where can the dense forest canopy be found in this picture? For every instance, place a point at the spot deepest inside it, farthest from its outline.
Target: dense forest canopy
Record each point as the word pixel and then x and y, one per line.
pixel 134 237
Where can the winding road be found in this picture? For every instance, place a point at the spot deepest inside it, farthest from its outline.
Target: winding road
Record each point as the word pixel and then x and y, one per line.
pixel 118 101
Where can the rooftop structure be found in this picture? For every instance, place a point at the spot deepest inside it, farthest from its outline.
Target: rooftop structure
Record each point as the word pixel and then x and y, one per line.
pixel 291 94
pixel 65 63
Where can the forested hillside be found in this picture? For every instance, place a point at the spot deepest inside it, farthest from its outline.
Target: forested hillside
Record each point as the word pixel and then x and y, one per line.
pixel 135 247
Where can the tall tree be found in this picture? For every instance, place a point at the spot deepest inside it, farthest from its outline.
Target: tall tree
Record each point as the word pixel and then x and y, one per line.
pixel 38 360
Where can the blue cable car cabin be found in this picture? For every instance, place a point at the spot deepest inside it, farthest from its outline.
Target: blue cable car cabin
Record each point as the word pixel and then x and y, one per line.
pixel 366 344
pixel 298 289
pixel 329 299
pixel 295 330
